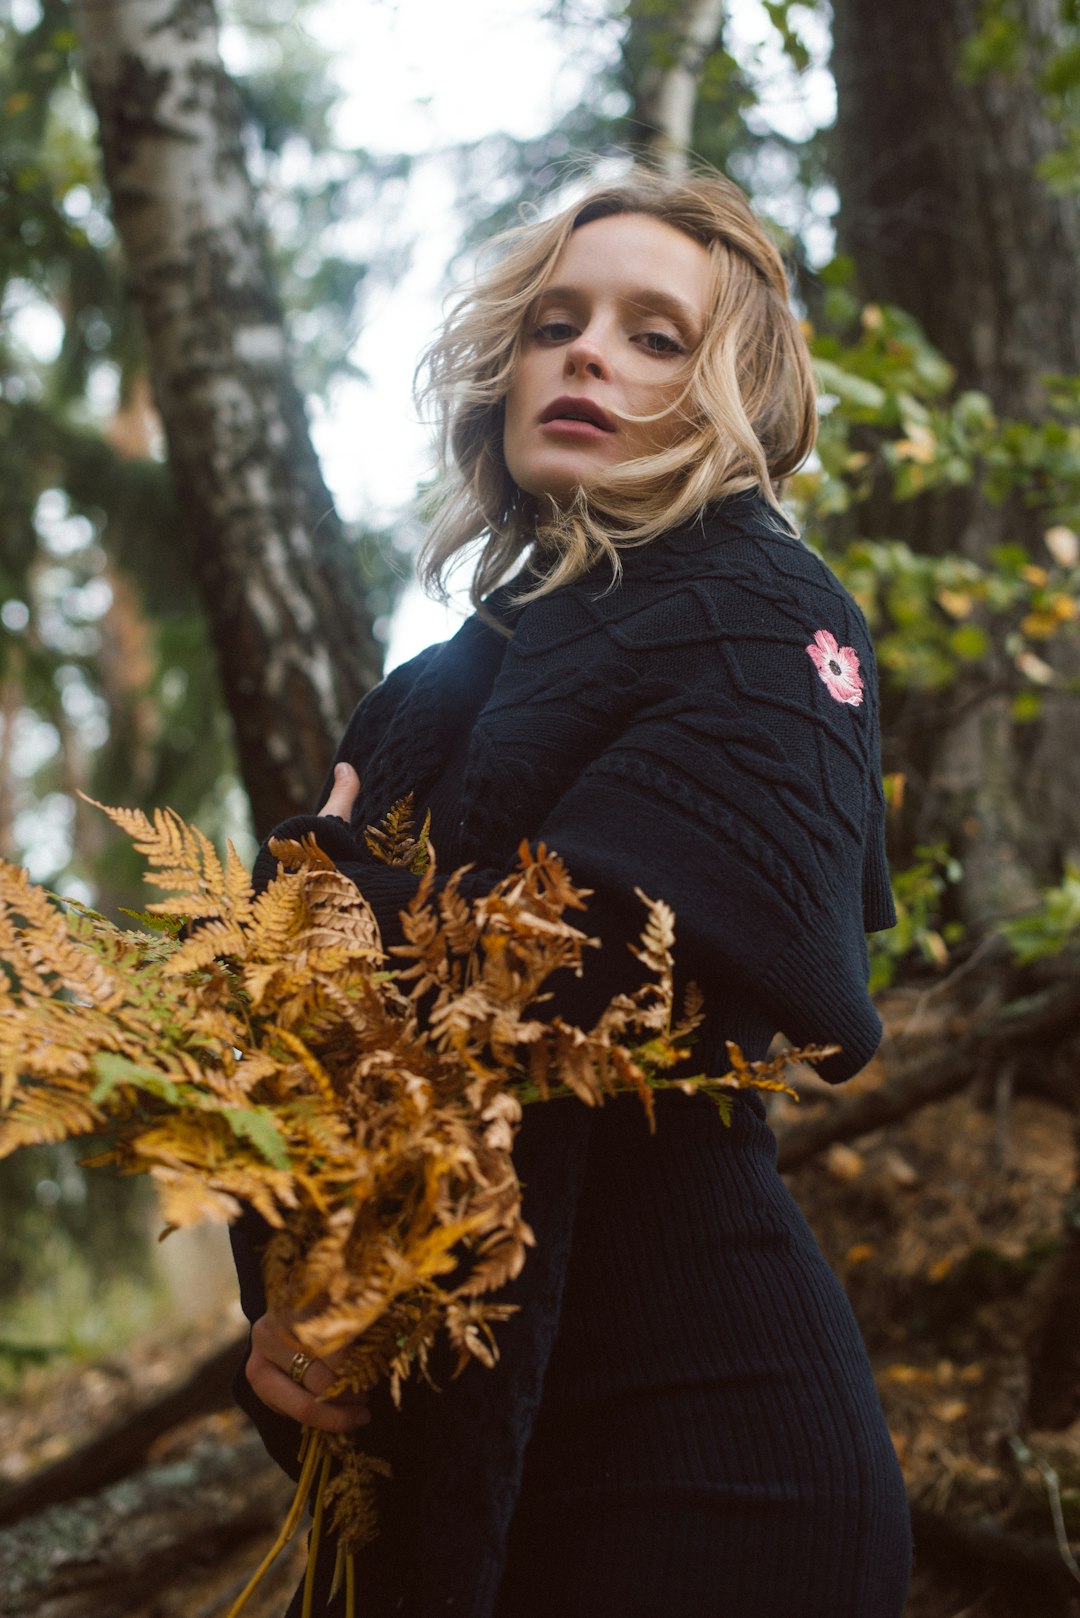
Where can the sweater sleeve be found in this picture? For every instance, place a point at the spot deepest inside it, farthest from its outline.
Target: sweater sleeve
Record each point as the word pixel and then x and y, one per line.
pixel 747 795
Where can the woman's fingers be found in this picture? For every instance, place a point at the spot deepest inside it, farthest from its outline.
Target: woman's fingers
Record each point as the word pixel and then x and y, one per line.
pixel 273 1351
pixel 343 793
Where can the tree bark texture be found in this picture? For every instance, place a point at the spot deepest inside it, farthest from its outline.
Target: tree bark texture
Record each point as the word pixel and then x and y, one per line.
pixel 282 597
pixel 939 204
pixel 125 1445
pixel 157 1545
pixel 944 215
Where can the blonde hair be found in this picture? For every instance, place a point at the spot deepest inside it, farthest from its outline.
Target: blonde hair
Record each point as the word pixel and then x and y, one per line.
pixel 748 404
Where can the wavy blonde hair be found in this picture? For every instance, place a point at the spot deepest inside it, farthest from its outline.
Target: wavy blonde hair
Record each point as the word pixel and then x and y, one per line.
pixel 747 408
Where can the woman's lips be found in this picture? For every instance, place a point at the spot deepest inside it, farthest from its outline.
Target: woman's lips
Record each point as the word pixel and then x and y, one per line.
pixel 564 426
pixel 575 411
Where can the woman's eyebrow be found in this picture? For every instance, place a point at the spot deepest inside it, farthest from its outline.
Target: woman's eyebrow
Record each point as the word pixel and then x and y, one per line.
pixel 653 300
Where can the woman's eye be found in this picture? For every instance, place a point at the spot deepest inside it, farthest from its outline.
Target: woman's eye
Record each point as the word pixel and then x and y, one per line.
pixel 554 331
pixel 662 342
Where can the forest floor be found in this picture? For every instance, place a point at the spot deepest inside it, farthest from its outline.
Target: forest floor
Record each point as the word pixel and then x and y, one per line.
pixel 943 1229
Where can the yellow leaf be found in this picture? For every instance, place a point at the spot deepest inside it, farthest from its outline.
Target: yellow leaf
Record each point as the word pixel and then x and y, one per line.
pixel 950 1410
pixel 894 785
pixel 1063 545
pixel 860 1253
pixel 919 446
pixel 908 1375
pixel 843 1162
pixel 957 603
pixel 1040 625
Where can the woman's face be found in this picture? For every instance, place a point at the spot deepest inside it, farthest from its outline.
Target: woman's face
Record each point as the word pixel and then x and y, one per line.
pixel 625 307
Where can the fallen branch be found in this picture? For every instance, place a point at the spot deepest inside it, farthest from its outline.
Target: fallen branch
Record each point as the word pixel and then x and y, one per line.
pixel 1038 1562
pixel 859 1115
pixel 946 1054
pixel 151 1544
pixel 124 1446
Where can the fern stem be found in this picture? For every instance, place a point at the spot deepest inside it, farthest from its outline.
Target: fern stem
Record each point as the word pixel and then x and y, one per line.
pixel 350 1585
pixel 313 1543
pixel 339 1574
pixel 312 1066
pixel 311 1452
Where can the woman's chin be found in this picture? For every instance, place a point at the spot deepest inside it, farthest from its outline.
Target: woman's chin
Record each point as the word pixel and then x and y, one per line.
pixel 556 501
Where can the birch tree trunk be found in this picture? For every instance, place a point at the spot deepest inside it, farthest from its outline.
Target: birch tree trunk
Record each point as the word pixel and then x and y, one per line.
pixel 943 214
pixel 283 599
pixel 668 91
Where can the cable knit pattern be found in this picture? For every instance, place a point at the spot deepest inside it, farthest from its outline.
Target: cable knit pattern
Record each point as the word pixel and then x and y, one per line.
pixel 670 733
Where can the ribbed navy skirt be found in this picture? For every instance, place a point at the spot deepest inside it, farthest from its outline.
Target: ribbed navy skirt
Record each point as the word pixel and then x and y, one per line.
pixel 710 1442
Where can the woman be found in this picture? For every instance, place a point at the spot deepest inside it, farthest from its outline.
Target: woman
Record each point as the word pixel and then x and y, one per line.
pixel 674 694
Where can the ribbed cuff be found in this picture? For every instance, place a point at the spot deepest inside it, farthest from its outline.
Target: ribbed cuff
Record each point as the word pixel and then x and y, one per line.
pixel 823 1004
pixel 878 905
pixel 388 890
pixel 333 835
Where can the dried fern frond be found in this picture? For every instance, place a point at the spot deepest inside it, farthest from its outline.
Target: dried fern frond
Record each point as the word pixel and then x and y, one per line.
pixel 393 843
pixel 272 1056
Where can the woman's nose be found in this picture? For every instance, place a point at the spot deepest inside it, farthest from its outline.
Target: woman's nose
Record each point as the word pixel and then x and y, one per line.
pixel 585 355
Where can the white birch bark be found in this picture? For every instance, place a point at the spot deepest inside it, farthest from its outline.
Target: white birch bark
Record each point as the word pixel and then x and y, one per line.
pixel 284 602
pixel 669 105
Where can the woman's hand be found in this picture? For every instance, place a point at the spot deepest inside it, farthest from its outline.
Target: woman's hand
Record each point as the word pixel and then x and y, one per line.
pixel 274 1348
pixel 343 793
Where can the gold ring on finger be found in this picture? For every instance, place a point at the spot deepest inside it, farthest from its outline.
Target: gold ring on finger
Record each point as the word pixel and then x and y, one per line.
pixel 298 1365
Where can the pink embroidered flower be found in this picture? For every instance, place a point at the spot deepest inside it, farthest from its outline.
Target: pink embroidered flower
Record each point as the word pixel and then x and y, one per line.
pixel 838 667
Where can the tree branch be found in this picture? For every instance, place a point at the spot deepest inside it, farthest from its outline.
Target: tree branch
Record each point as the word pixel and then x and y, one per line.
pixel 951 1044
pixel 123 1447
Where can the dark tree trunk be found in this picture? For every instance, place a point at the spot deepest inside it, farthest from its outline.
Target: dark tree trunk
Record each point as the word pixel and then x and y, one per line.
pixel 1054 1400
pixel 278 584
pixel 943 214
pixel 939 204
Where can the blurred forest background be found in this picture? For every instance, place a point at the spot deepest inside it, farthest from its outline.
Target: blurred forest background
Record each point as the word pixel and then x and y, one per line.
pixel 185 619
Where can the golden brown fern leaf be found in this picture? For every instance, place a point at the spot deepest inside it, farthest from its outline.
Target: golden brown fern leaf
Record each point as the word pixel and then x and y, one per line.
pixel 394 843
pixel 273 1059
pixel 43 1115
pixel 38 950
pixel 350 1496
pixel 770 1073
pixel 181 858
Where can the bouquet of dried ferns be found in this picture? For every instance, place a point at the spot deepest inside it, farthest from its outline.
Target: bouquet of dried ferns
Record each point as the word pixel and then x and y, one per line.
pixel 262 1050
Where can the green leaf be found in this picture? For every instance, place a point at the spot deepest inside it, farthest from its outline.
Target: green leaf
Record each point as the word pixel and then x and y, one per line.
pixel 1053 927
pixel 173 926
pixel 996 47
pixel 1026 707
pixel 854 390
pixel 1062 71
pixel 779 13
pixel 723 1107
pixel 258 1126
pixel 969 642
pixel 1010 559
pixel 114 1070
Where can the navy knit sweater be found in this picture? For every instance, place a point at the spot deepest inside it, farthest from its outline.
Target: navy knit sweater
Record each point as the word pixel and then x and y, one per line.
pixel 706 730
